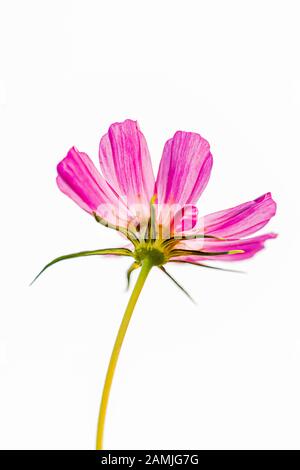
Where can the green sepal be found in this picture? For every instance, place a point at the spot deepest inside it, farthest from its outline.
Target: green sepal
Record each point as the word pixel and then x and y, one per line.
pixel 128 234
pixel 177 283
pixel 107 251
pixel 179 252
pixel 170 242
pixel 132 268
pixel 208 266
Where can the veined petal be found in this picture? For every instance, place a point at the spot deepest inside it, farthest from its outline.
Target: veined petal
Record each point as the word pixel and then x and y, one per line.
pixel 185 219
pixel 249 246
pixel 79 179
pixel 174 220
pixel 126 164
pixel 239 221
pixel 184 169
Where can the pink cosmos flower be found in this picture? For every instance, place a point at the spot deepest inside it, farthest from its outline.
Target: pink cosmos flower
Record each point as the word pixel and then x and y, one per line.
pixel 158 216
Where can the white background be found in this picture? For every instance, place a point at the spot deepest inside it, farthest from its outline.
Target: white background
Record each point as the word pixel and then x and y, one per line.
pixel 223 374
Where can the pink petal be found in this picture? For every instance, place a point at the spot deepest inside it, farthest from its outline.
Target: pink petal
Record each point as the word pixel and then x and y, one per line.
pixel 239 221
pixel 184 169
pixel 185 218
pixel 250 246
pixel 174 220
pixel 79 179
pixel 126 164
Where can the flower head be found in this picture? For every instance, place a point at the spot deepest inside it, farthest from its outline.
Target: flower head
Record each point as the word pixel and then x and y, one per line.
pixel 159 216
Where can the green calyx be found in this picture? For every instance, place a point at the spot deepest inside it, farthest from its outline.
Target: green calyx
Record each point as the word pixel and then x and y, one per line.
pixel 155 255
pixel 150 248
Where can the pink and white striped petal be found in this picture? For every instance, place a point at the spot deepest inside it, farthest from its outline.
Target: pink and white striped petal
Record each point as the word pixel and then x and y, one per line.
pixel 126 164
pixel 184 169
pixel 240 221
pixel 79 179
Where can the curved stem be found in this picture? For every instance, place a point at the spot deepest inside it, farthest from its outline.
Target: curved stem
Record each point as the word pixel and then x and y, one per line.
pixel 146 267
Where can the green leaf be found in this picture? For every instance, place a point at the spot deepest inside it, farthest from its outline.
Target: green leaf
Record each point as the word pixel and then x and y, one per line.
pixel 108 251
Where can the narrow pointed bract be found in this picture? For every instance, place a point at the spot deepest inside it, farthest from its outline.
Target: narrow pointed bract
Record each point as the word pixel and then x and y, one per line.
pixel 202 265
pixel 108 251
pixel 163 269
pixel 132 268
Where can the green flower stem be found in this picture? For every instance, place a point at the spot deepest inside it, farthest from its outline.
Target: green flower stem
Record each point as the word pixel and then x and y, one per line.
pixel 146 267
